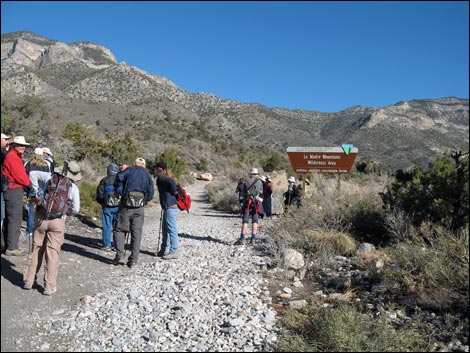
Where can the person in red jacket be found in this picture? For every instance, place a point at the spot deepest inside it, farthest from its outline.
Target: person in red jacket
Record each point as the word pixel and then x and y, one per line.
pixel 18 180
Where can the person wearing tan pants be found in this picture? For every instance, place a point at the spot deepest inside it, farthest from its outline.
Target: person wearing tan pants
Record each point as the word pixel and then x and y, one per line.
pixel 48 237
pixel 47 240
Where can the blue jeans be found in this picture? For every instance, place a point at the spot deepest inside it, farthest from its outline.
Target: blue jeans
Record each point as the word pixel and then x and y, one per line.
pixel 3 208
pixel 169 231
pixel 31 209
pixel 108 218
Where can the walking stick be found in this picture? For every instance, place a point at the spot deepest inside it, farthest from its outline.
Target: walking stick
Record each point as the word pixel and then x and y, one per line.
pixel 125 242
pixel 159 230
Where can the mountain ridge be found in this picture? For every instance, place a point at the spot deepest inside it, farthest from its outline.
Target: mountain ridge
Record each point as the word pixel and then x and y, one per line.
pixel 75 79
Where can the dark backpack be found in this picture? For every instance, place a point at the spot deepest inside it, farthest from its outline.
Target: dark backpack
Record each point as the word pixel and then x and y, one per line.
pixel 183 199
pixel 56 196
pixel 109 198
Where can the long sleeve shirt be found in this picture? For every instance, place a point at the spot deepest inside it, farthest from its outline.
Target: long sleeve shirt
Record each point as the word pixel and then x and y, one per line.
pixel 13 168
pixel 135 179
pixel 167 190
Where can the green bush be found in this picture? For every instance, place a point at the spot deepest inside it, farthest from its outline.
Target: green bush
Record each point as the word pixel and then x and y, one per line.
pixel 439 194
pixel 174 161
pixel 88 205
pixel 272 162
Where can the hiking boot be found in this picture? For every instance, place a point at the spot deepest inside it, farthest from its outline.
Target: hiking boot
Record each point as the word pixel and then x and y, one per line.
pixel 161 254
pixel 50 291
pixel 240 242
pixel 131 265
pixel 252 241
pixel 27 286
pixel 106 248
pixel 118 261
pixel 170 256
pixel 16 252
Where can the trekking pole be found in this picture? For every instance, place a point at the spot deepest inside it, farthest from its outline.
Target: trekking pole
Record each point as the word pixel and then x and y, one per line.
pixel 126 240
pixel 159 230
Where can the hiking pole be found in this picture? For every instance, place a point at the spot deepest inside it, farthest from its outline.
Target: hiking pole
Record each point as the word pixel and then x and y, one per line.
pixel 159 230
pixel 126 240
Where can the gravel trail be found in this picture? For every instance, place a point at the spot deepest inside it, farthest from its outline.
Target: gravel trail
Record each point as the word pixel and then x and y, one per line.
pixel 212 298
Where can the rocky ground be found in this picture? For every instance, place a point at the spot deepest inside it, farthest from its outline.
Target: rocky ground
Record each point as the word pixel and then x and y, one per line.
pixel 213 298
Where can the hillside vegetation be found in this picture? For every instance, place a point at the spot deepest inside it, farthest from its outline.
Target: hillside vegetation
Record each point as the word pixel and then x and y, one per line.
pixel 410 292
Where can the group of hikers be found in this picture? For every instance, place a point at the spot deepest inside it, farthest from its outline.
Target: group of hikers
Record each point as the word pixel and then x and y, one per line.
pixel 52 194
pixel 255 195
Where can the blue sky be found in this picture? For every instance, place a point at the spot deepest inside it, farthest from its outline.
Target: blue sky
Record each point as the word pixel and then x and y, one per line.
pixel 323 56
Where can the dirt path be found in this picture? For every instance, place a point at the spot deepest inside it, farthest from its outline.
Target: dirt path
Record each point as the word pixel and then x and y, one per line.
pixel 84 270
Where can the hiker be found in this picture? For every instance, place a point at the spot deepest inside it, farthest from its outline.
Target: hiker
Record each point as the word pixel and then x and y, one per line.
pixel 123 166
pixel 39 174
pixel 49 230
pixel 166 184
pixel 17 182
pixel 298 200
pixel 268 190
pixel 241 193
pixel 48 157
pixel 105 196
pixel 5 142
pixel 135 186
pixel 251 206
pixel 292 194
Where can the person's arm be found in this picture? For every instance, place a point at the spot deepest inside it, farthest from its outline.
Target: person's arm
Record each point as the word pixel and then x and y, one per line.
pixel 74 196
pixel 100 192
pixel 150 188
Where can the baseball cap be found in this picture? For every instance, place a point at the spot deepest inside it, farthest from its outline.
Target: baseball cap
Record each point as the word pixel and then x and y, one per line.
pixel 140 160
pixel 113 168
pixel 161 166
pixel 38 151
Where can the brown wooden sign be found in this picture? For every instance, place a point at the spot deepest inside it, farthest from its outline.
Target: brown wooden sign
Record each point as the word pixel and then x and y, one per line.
pixel 336 160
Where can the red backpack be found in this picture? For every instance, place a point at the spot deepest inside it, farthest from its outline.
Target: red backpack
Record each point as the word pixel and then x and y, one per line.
pixel 183 199
pixel 56 196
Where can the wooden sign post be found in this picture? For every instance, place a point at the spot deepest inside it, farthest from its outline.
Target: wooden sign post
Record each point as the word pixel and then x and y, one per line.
pixel 336 160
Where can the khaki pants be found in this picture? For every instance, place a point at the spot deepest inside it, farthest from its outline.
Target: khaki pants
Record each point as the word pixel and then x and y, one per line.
pixel 48 238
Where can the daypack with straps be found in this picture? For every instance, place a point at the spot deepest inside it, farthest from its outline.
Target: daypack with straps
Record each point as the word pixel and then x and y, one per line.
pixel 183 199
pixel 110 199
pixel 253 197
pixel 56 196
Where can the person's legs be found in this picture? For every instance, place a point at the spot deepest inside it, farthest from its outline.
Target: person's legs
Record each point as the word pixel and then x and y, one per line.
pixel 122 227
pixel 137 224
pixel 172 229
pixel 13 217
pixel 107 219
pixel 54 240
pixel 35 258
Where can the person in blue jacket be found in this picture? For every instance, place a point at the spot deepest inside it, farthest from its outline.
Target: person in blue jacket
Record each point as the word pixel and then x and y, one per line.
pixel 166 185
pixel 135 186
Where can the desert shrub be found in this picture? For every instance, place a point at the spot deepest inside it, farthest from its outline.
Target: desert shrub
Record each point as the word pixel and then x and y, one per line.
pixel 438 194
pixel 433 266
pixel 344 328
pixel 88 204
pixel 113 147
pixel 221 194
pixel 366 218
pixel 272 162
pixel 174 161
